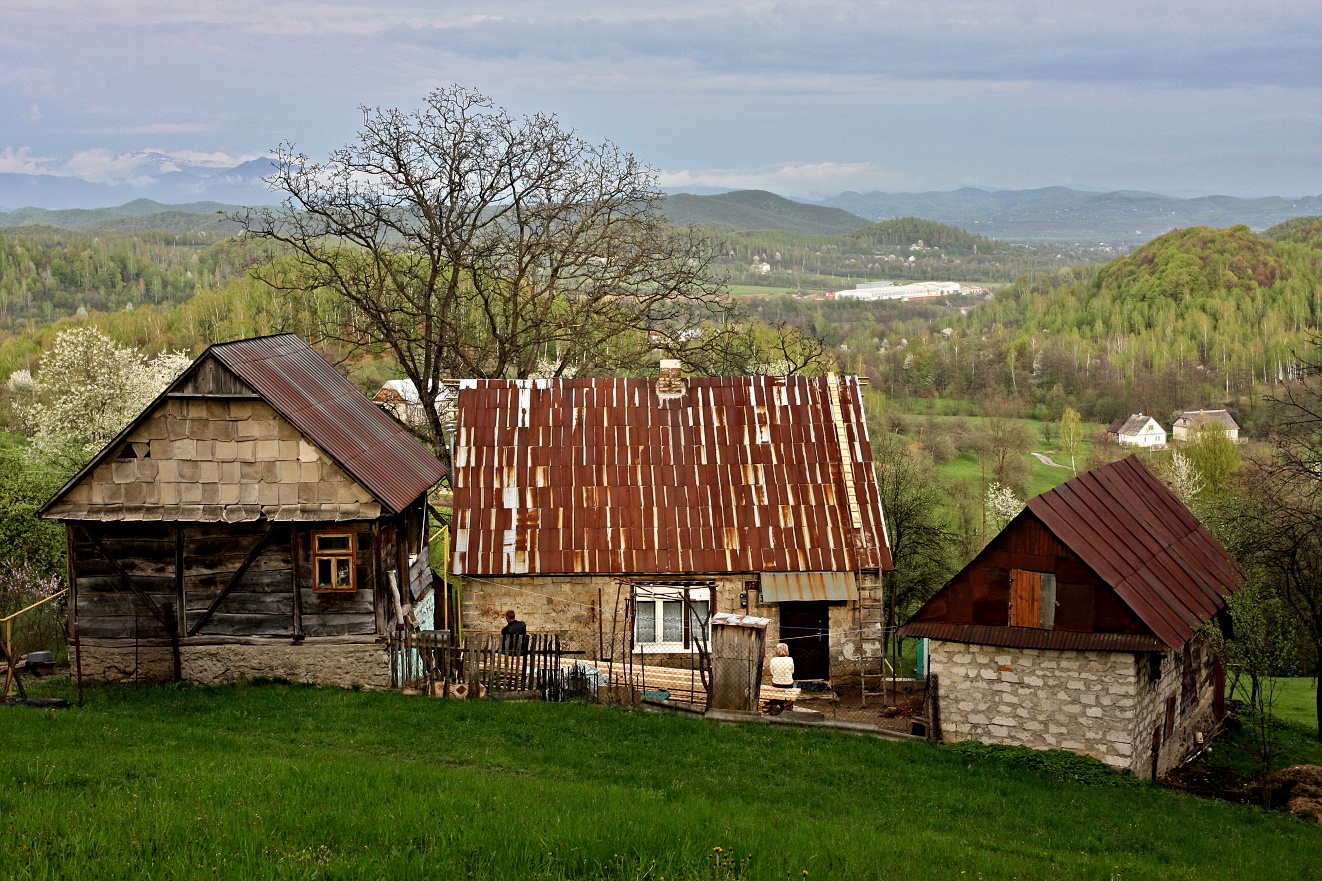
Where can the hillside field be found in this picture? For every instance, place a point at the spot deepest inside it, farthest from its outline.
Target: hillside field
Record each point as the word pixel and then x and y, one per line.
pixel 279 781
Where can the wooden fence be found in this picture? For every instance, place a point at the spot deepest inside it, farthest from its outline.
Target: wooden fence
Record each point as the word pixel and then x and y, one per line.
pixel 431 661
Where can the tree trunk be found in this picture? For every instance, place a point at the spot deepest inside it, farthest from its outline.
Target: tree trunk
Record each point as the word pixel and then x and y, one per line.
pixel 1317 690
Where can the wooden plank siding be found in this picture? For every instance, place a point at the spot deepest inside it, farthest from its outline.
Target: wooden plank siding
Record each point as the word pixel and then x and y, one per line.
pixel 187 566
pixel 985 591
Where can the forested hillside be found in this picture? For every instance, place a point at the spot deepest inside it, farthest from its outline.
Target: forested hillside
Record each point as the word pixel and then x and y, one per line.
pixel 47 273
pixel 1198 316
pixel 758 209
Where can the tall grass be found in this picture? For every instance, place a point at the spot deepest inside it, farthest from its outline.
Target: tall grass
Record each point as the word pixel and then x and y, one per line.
pixel 284 782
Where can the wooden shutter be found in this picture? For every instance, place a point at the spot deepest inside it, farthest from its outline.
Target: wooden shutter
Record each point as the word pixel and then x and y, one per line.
pixel 1025 598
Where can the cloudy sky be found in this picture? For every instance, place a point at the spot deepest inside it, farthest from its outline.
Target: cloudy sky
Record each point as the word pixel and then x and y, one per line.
pixel 803 98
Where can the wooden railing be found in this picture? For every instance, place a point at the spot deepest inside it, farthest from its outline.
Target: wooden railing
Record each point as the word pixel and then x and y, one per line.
pixel 11 675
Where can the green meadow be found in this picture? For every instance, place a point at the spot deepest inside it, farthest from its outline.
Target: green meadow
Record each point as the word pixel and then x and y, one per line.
pixel 279 781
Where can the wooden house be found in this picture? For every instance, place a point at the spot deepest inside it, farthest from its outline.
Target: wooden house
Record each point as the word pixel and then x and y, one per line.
pixel 623 513
pixel 260 518
pixel 1075 628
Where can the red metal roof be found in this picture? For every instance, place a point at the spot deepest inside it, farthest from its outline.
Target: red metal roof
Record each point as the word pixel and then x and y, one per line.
pixel 1141 540
pixel 298 383
pixel 1033 638
pixel 739 474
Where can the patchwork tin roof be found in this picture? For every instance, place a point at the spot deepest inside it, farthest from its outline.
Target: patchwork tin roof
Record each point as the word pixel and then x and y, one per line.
pixel 730 474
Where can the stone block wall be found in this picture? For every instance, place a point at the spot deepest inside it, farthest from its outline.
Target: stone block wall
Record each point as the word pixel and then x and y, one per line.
pixel 229 460
pixel 1084 702
pixel 1193 707
pixel 345 666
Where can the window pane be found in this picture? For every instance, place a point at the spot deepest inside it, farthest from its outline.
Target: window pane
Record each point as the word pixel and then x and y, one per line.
pixel 672 621
pixel 645 621
pixel 324 573
pixel 332 543
pixel 699 611
pixel 343 578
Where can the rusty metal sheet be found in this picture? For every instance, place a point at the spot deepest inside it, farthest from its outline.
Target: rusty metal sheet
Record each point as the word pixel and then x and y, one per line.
pixel 726 478
pixel 1137 536
pixel 789 587
pixel 1033 637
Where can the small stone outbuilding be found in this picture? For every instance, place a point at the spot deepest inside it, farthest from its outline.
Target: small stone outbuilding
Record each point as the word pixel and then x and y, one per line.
pixel 580 501
pixel 261 518
pixel 1076 627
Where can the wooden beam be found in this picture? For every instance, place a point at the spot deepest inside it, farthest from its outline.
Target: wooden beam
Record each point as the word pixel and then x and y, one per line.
pixel 234 581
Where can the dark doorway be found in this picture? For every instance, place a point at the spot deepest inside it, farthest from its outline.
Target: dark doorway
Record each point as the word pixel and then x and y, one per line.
pixel 805 628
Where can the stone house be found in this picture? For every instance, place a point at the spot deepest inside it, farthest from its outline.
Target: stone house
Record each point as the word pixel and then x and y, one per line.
pixel 585 504
pixel 1190 421
pixel 260 518
pixel 1137 431
pixel 1075 628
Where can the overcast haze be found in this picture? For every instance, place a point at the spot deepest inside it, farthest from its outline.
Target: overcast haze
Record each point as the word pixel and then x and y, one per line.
pixel 805 99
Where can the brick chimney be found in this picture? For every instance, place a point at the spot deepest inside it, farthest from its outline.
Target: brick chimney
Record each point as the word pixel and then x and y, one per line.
pixel 670 383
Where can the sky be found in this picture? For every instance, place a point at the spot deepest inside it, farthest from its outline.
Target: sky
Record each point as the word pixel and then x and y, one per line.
pixel 805 99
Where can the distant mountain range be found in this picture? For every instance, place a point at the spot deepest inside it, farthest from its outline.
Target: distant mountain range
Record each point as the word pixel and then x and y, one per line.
pixel 155 177
pixel 1062 214
pixel 139 215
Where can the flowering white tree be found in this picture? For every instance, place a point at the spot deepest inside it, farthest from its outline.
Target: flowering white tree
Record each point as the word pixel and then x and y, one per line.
pixel 87 390
pixel 1183 478
pixel 1002 505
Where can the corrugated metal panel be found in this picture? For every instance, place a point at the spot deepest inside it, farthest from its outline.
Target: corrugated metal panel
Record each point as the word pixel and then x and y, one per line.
pixel 1137 536
pixel 789 587
pixel 333 414
pixel 1033 638
pixel 740 474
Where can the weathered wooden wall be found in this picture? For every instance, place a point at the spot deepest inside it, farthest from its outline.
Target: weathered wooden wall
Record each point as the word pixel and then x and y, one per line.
pixel 981 593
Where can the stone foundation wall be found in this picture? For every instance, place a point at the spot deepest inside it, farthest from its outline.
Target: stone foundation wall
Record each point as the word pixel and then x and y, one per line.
pixel 1193 712
pixel 1084 702
pixel 345 666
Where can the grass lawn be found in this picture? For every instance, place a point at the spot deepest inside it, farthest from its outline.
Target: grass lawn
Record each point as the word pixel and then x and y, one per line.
pixel 298 782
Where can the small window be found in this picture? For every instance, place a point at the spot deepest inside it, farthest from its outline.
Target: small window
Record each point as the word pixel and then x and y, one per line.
pixel 1032 599
pixel 334 559
pixel 660 622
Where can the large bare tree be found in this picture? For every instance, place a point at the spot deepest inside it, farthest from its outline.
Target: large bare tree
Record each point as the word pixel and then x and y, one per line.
pixel 471 243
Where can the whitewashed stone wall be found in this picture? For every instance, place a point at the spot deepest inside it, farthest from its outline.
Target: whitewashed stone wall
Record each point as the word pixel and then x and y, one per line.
pixel 1084 702
pixel 1192 717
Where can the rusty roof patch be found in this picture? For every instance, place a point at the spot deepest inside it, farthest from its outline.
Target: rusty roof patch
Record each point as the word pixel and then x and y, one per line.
pixel 737 474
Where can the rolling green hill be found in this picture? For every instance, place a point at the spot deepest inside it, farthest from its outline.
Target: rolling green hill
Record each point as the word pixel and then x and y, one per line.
pixel 138 215
pixel 758 209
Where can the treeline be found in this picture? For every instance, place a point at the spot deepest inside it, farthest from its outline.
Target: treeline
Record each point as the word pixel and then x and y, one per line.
pixel 47 273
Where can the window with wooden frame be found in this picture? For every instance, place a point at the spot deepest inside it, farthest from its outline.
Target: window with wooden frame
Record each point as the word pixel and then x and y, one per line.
pixel 1032 599
pixel 334 561
pixel 671 618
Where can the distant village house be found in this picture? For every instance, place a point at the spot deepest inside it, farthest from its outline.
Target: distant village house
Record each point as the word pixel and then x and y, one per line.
pixel 1137 431
pixel 1192 421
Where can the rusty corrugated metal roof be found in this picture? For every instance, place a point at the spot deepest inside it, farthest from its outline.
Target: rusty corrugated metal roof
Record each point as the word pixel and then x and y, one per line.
pixel 298 383
pixel 1141 540
pixel 789 587
pixel 739 474
pixel 1033 638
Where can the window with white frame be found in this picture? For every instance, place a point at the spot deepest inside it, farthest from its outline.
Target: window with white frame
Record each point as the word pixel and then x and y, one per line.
pixel 671 617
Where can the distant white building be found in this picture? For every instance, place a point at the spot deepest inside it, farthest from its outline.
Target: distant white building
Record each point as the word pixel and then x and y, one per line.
pixel 1137 431
pixel 887 290
pixel 1191 421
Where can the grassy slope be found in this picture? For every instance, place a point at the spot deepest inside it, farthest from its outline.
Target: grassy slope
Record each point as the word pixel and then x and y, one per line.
pixel 279 782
